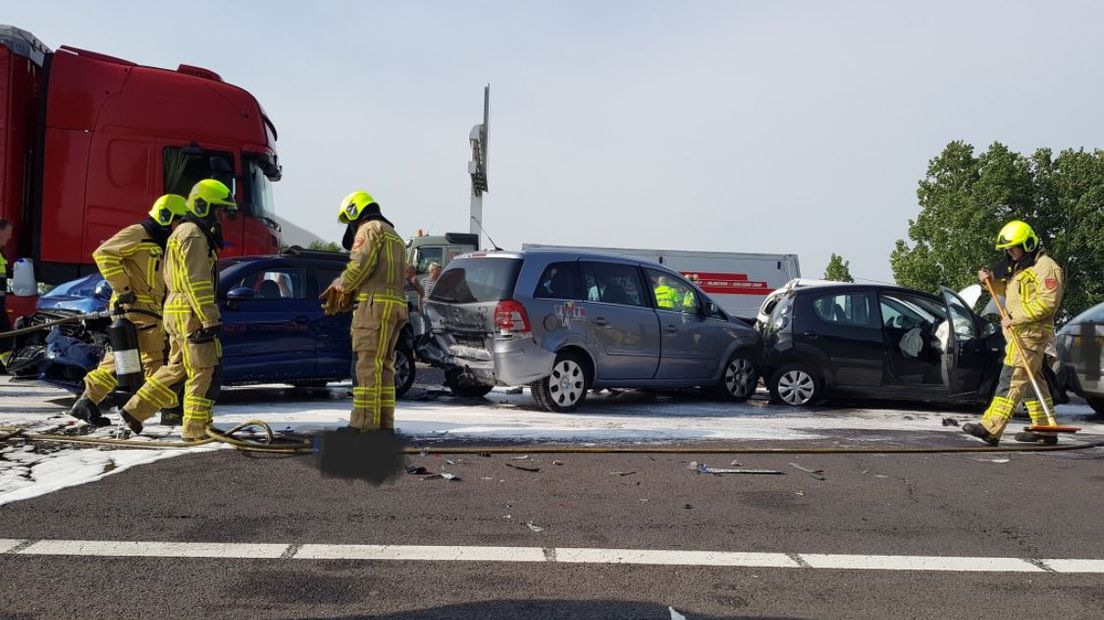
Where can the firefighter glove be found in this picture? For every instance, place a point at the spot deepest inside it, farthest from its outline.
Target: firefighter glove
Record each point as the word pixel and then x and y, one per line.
pixel 335 301
pixel 205 334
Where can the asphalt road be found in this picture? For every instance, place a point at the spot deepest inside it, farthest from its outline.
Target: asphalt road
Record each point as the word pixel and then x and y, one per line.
pixel 1031 506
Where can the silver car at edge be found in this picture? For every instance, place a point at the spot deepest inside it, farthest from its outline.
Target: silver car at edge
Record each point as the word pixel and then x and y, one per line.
pixel 1081 356
pixel 565 322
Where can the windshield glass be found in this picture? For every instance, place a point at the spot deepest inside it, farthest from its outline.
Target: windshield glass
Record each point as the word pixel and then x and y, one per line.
pixel 261 204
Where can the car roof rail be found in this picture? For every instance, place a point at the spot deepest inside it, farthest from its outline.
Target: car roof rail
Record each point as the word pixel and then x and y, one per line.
pixel 300 252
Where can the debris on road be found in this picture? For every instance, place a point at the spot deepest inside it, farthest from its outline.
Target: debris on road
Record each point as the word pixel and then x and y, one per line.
pixel 443 476
pixel 622 473
pixel 557 462
pixel 705 469
pixel 692 466
pixel 994 460
pixel 535 528
pixel 416 470
pixel 675 615
pixel 522 467
pixel 735 464
pixel 523 457
pixel 815 473
pixel 950 422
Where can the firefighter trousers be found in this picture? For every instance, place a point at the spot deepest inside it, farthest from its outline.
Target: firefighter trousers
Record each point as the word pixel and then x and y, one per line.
pixel 101 381
pixel 377 322
pixel 198 365
pixel 1014 386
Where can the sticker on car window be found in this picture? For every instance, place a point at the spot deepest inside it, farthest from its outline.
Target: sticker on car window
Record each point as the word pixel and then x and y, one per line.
pixel 568 312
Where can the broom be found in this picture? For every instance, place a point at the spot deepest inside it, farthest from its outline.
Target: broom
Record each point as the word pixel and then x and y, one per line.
pixel 1052 425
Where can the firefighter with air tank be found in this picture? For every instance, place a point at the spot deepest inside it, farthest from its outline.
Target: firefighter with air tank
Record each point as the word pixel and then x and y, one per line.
pixel 130 261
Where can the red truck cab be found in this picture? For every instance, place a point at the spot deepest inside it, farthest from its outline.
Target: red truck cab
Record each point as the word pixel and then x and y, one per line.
pixel 88 142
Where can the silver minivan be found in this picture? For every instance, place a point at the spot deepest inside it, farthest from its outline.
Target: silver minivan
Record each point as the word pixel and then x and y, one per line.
pixel 565 322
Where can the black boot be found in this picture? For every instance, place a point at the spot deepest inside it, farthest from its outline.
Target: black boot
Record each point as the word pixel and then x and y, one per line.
pixel 979 431
pixel 85 409
pixel 172 417
pixel 131 421
pixel 1033 437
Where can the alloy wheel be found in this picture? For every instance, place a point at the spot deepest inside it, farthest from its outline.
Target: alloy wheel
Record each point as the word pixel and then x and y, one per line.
pixel 796 387
pixel 739 377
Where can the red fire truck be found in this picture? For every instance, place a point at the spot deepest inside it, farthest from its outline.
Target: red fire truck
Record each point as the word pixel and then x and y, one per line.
pixel 88 142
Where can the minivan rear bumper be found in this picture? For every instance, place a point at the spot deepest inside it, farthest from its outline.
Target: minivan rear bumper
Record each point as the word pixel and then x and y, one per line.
pixel 518 361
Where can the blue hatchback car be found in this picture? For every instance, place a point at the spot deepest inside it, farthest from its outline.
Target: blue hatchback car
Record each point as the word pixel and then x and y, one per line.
pixel 274 330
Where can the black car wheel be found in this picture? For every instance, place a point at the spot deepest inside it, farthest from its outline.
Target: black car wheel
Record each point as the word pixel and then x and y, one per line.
pixel 797 386
pixel 739 380
pixel 464 390
pixel 566 388
pixel 404 371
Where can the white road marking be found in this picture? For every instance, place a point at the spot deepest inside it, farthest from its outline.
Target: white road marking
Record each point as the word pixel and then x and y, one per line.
pixel 673 557
pixel 420 552
pixel 920 563
pixel 120 548
pixel 1075 566
pixel 567 555
pixel 7 544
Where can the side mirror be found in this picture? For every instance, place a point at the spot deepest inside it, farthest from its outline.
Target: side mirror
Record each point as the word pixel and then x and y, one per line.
pixel 238 295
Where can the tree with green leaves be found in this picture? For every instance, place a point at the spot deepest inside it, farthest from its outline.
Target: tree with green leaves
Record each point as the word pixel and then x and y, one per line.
pixel 324 246
pixel 838 270
pixel 966 198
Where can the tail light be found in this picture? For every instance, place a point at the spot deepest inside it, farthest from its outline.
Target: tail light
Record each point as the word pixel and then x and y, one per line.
pixel 510 317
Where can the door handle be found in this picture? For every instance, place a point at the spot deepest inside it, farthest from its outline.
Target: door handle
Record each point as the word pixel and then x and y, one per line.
pixel 810 335
pixel 601 322
pixel 671 329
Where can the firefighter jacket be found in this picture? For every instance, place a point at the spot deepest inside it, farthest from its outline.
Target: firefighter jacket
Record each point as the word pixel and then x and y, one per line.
pixel 1033 295
pixel 376 263
pixel 191 275
pixel 131 261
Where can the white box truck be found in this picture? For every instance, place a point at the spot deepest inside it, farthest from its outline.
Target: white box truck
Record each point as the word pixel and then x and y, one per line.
pixel 737 281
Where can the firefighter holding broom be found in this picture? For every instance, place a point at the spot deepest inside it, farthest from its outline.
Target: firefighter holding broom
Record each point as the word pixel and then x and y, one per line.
pixel 1032 286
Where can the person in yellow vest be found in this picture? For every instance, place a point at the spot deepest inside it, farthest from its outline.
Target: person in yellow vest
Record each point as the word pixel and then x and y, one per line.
pixel 666 296
pixel 375 276
pixel 192 318
pixel 130 261
pixel 1032 288
pixel 6 231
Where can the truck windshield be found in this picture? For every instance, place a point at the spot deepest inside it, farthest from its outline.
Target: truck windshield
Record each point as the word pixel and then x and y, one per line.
pixel 261 204
pixel 426 256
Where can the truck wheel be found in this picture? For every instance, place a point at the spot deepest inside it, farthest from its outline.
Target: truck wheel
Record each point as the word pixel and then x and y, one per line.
pixel 566 388
pixel 404 371
pixel 464 390
pixel 739 380
pixel 797 385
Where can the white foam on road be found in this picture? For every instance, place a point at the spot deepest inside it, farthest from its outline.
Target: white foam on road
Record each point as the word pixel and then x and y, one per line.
pixel 570 555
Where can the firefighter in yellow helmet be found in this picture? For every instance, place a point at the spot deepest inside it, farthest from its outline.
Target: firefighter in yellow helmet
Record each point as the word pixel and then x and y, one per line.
pixel 192 318
pixel 130 261
pixel 1032 286
pixel 374 276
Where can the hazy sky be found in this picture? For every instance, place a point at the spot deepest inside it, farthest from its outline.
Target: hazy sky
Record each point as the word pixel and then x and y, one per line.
pixel 766 126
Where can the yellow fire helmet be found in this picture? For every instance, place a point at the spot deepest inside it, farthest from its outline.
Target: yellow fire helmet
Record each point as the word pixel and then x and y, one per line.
pixel 353 205
pixel 168 208
pixel 210 193
pixel 1016 233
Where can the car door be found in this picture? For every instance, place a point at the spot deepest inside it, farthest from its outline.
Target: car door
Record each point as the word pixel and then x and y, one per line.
pixel 691 343
pixel 332 336
pixel 914 352
pixel 964 359
pixel 843 326
pixel 267 328
pixel 623 329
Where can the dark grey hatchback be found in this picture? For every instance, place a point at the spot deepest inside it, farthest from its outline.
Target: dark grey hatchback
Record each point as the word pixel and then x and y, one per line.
pixel 879 342
pixel 565 322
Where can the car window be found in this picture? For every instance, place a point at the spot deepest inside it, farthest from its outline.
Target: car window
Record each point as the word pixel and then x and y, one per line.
pixel 324 276
pixel 906 312
pixel 560 281
pixel 471 280
pixel 854 309
pixel 613 283
pixel 673 293
pixel 275 284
